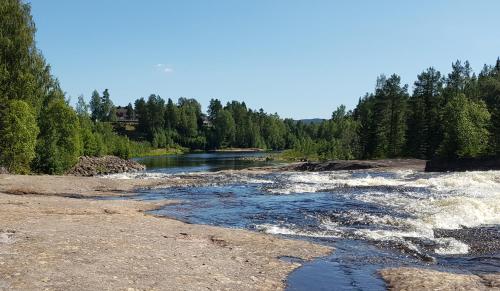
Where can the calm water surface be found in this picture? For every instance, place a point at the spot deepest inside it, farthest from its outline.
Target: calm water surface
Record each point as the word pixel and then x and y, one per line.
pixel 205 162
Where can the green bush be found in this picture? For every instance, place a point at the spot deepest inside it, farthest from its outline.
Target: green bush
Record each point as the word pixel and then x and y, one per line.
pixel 59 144
pixel 18 132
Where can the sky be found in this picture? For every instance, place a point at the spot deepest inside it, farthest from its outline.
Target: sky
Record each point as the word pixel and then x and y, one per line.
pixel 300 59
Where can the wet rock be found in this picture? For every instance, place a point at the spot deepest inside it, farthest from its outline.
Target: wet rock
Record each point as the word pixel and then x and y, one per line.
pixel 339 165
pixel 463 164
pixel 92 166
pixel 481 240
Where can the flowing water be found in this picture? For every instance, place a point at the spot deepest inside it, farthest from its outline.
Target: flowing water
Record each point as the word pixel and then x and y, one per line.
pixel 446 221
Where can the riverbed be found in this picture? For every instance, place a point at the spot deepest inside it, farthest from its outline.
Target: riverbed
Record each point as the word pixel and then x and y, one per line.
pixel 374 219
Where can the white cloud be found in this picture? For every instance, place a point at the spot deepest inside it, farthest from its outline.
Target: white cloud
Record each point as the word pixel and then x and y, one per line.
pixel 164 68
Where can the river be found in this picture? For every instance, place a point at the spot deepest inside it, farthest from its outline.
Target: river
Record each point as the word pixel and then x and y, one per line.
pixel 374 219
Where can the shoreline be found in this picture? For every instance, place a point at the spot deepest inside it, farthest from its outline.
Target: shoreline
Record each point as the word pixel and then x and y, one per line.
pixel 49 240
pixel 49 235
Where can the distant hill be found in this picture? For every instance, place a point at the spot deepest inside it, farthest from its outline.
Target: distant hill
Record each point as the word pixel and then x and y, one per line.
pixel 312 120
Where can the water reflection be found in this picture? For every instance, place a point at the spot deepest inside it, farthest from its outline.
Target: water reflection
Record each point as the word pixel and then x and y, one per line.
pixel 205 162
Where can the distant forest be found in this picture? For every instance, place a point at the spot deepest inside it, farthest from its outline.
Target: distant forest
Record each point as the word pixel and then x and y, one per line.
pixel 451 116
pixel 457 115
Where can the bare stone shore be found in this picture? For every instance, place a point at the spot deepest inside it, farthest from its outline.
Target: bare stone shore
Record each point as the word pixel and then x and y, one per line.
pixel 54 236
pixel 422 279
pixel 51 242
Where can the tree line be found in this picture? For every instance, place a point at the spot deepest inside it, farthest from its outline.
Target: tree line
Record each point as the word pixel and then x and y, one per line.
pixel 452 116
pixel 449 116
pixel 446 116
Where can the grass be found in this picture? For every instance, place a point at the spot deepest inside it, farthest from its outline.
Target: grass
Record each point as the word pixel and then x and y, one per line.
pixel 162 152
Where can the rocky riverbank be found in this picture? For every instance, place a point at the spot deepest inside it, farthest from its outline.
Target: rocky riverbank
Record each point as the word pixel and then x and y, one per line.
pixel 93 166
pixel 51 242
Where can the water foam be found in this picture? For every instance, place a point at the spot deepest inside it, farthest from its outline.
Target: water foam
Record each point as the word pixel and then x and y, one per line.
pixel 450 201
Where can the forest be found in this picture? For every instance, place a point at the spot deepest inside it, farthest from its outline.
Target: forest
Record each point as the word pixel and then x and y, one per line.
pixel 451 116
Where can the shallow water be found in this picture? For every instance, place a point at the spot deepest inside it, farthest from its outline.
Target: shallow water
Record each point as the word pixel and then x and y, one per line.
pixel 374 220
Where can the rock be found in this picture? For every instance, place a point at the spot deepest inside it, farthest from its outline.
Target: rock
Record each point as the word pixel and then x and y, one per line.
pixel 339 165
pixel 3 170
pixel 463 164
pixel 92 166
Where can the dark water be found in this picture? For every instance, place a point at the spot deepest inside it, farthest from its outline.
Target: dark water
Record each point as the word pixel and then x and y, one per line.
pixel 205 162
pixel 373 220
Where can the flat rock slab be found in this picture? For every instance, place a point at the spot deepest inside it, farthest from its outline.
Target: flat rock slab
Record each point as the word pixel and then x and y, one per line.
pixel 423 279
pixel 49 242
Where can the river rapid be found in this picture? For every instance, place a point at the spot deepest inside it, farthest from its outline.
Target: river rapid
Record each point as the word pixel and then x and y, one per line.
pixel 374 219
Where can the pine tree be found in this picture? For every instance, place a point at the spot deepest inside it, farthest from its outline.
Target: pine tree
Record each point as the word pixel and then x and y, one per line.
pixel 389 115
pixel 96 106
pixel 106 107
pixel 425 105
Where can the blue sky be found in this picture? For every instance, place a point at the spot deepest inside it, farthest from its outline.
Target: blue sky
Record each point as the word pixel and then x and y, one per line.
pixel 298 58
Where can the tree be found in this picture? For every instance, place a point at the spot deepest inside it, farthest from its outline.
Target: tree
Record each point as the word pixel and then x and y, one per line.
pixel 107 113
pixel 18 131
pixel 155 108
pixel 58 145
pixel 171 115
pixel 213 109
pixel 89 141
pixel 223 129
pixel 17 49
pixel 465 128
pixel 363 114
pixel 142 116
pixel 130 111
pixel 96 106
pixel 189 114
pixel 390 116
pixel 489 90
pixel 82 108
pixel 424 122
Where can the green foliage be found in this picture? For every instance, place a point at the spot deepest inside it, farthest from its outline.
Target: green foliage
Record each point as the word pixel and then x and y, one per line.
pixel 223 130
pixel 465 128
pixel 453 116
pixel 59 145
pixel 390 117
pixel 18 132
pixel 489 91
pixel 82 108
pixel 95 106
pixel 101 107
pixel 424 122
